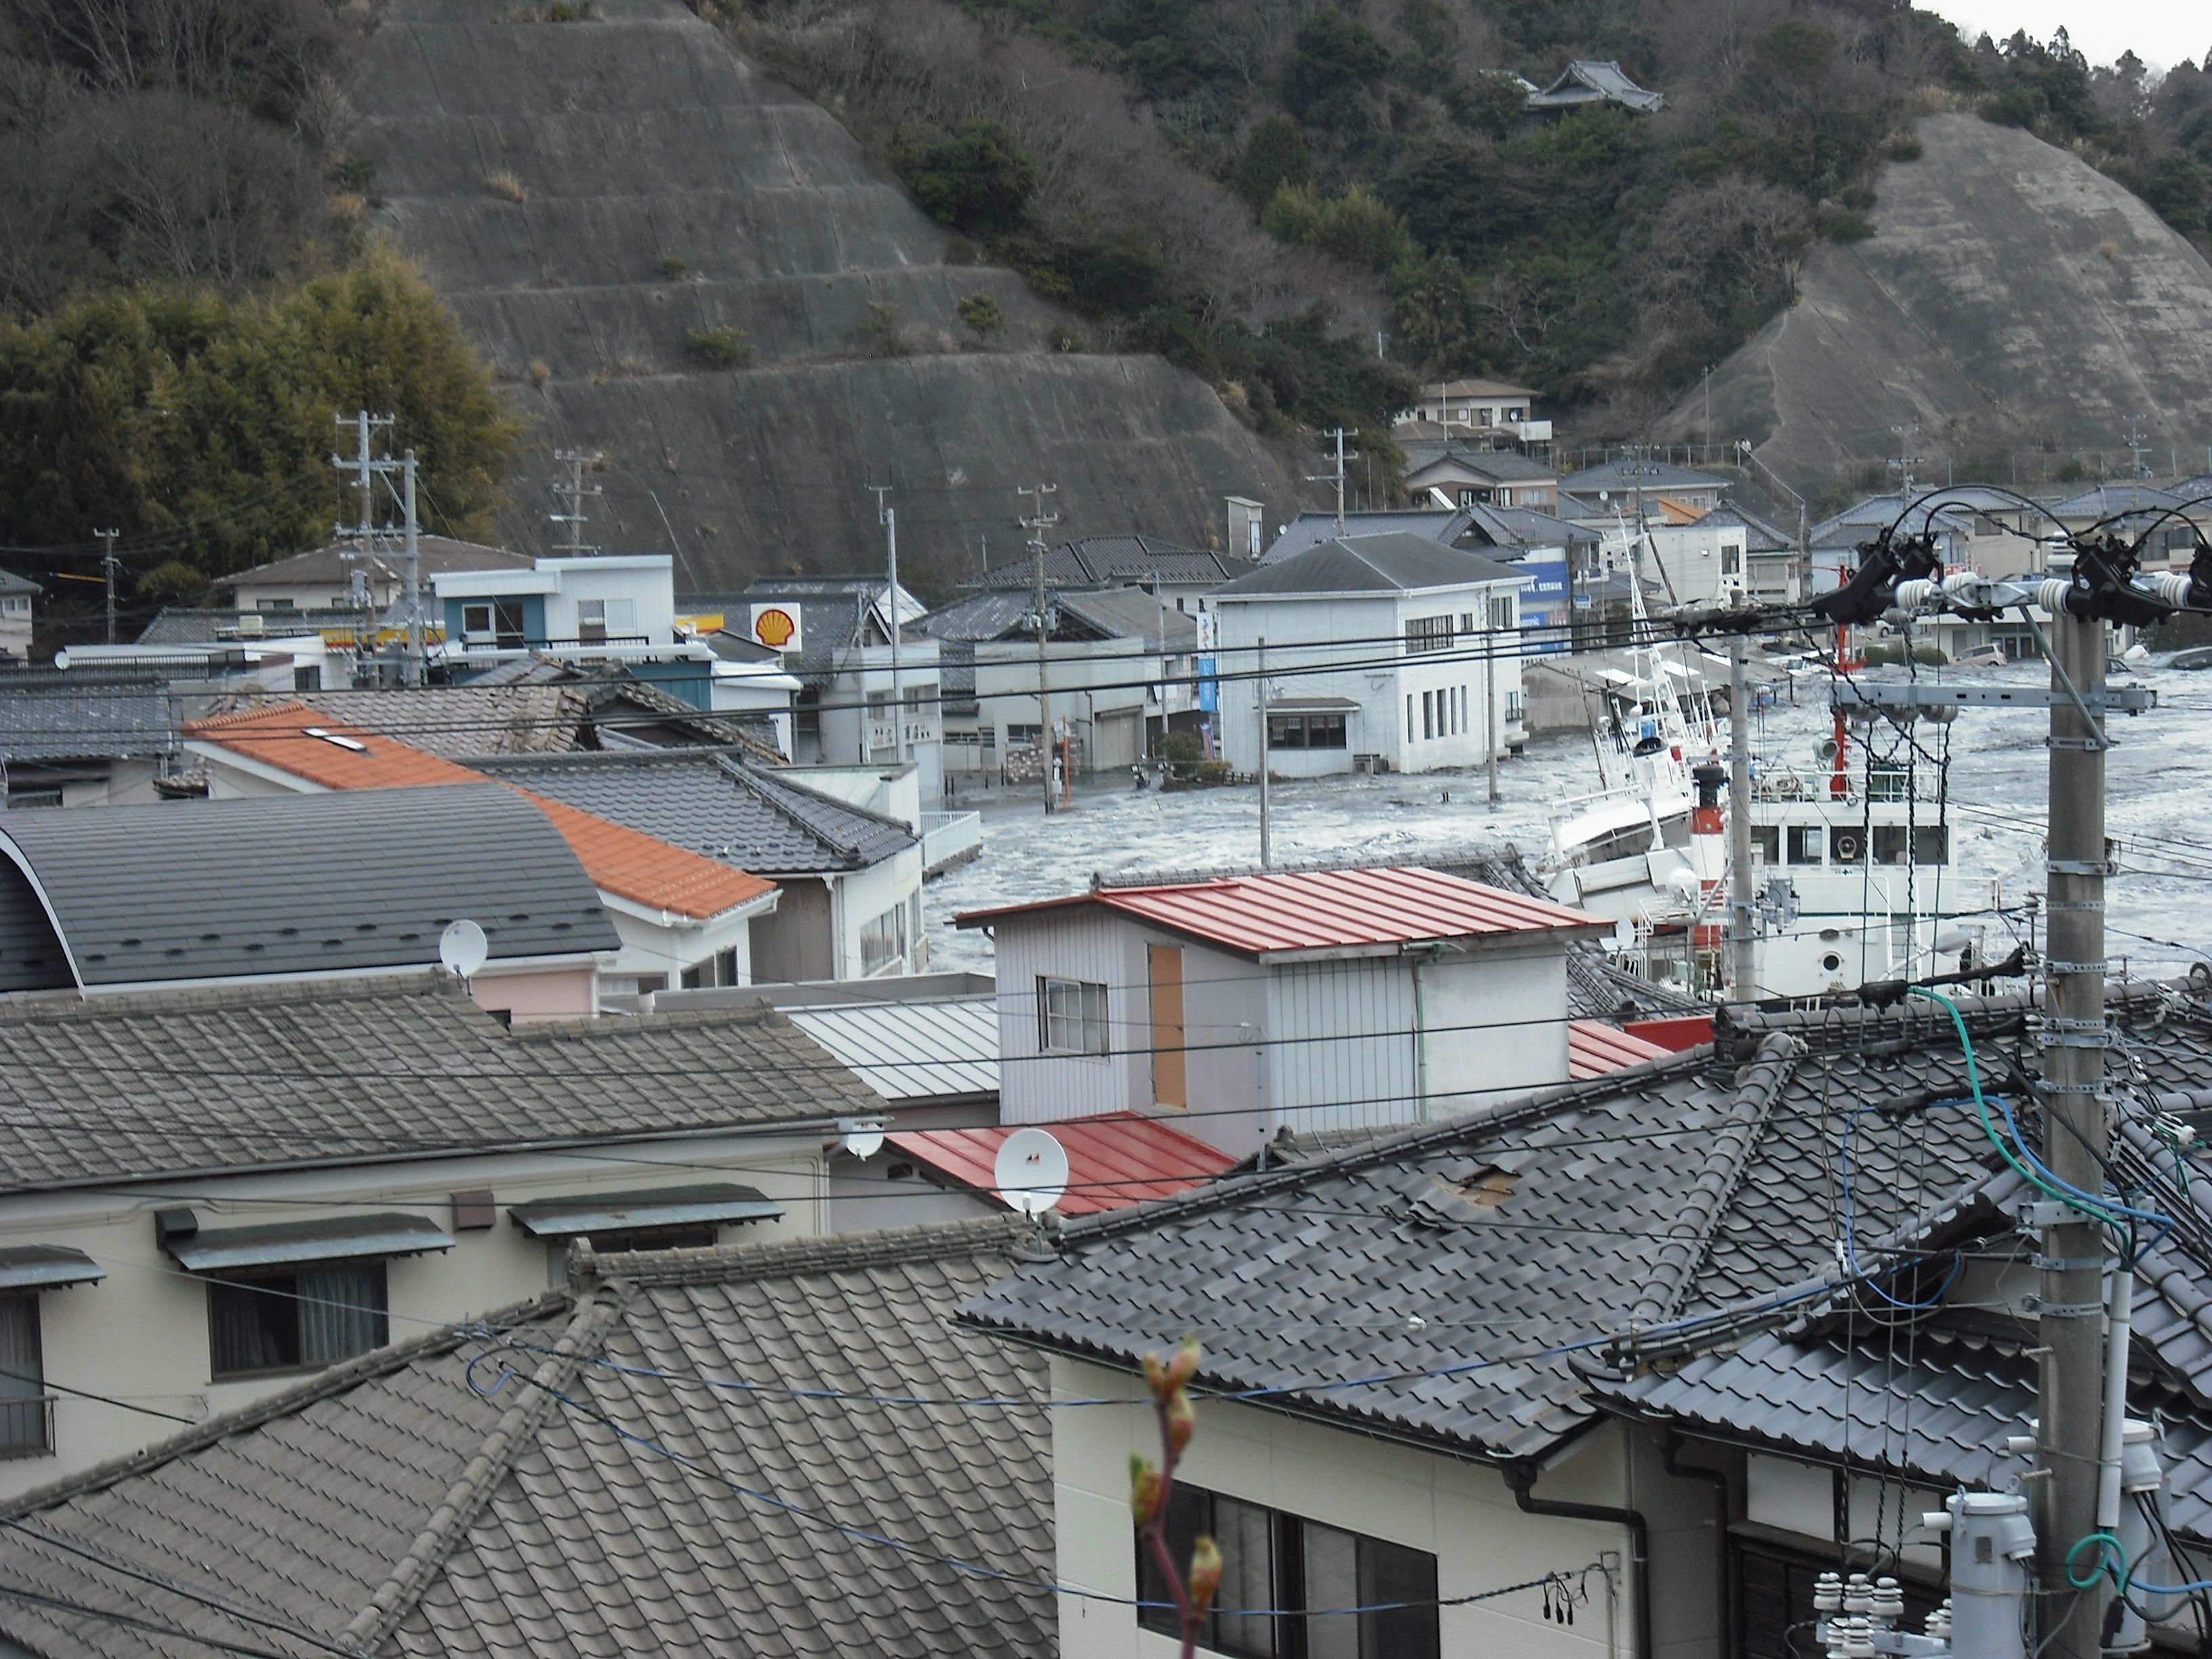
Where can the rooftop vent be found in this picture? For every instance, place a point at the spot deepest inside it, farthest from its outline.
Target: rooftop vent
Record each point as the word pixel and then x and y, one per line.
pixel 334 738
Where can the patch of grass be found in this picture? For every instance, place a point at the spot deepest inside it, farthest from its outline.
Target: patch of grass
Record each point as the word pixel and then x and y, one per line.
pixel 1840 224
pixel 673 268
pixel 983 315
pixel 722 347
pixel 504 187
pixel 878 334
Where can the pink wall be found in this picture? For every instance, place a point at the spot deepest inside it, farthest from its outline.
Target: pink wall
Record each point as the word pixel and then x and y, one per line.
pixel 550 993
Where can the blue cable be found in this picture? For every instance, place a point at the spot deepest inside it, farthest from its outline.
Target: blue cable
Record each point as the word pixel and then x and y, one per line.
pixel 2111 1207
pixel 1851 1235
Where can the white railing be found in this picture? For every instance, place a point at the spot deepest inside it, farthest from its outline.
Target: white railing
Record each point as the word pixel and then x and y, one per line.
pixel 950 838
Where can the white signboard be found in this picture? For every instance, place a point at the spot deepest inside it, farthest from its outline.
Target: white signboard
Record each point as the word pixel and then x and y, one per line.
pixel 776 626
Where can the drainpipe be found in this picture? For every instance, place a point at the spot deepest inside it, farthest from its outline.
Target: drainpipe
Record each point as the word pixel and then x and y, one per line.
pixel 1670 1450
pixel 1421 960
pixel 1522 1478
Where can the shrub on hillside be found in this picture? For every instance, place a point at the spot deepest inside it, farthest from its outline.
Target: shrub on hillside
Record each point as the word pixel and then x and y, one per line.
pixel 982 315
pixel 977 180
pixel 727 347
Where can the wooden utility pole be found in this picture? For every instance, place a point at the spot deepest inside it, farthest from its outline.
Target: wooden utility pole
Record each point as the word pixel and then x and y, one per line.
pixel 110 566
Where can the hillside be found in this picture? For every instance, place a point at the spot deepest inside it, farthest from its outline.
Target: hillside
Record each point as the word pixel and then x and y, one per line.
pixel 589 195
pixel 2011 299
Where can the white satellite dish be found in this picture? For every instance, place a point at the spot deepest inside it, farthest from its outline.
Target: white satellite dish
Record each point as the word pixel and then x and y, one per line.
pixel 462 947
pixel 1623 934
pixel 1031 1171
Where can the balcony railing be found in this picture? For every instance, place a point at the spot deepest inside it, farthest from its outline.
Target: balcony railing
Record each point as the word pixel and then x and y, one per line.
pixel 950 839
pixel 26 1427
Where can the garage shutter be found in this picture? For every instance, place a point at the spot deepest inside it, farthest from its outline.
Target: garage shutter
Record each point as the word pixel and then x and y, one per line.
pixel 1115 741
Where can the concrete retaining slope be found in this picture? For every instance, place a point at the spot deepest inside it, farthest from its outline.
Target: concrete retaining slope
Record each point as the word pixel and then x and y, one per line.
pixel 2011 296
pixel 639 137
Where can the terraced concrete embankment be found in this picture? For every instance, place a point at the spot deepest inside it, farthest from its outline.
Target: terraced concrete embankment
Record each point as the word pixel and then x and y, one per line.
pixel 2011 296
pixel 639 138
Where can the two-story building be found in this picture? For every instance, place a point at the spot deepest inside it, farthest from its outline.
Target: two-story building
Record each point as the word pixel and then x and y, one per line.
pixel 1631 487
pixel 606 608
pixel 1492 411
pixel 1390 651
pixel 1467 476
pixel 16 594
pixel 1269 1001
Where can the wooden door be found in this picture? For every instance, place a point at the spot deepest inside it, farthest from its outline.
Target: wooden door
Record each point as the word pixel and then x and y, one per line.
pixel 1165 962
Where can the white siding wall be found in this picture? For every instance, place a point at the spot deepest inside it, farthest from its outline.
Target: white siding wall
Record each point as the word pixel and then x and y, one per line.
pixel 1497 1020
pixel 644 580
pixel 142 1334
pixel 1454 1508
pixel 1365 1075
pixel 1077 943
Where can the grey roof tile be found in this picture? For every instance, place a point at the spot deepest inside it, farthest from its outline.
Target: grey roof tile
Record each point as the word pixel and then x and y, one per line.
pixel 709 802
pixel 93 1092
pixel 1444 525
pixel 304 883
pixel 1392 562
pixel 75 716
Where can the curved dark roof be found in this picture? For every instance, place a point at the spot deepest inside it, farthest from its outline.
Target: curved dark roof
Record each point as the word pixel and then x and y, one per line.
pixel 311 884
pixel 709 802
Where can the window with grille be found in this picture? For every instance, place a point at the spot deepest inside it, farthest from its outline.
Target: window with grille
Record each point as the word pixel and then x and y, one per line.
pixel 1281 1574
pixel 1071 1017
pixel 1428 634
pixel 27 1422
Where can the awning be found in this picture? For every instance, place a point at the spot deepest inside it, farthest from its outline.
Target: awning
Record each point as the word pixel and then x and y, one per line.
pixel 46 1267
pixel 335 1239
pixel 633 1212
pixel 1316 705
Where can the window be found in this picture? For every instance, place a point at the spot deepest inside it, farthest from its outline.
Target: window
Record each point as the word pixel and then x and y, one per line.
pixel 27 1423
pixel 496 623
pixel 1272 1559
pixel 1731 560
pixel 309 678
pixel 1409 717
pixel 720 969
pixel 1071 1017
pixel 1504 613
pixel 259 604
pixel 1305 732
pixel 1845 846
pixel 1428 714
pixel 1766 843
pixel 1023 737
pixel 311 1316
pixel 883 941
pixel 1805 843
pixel 1928 843
pixel 1428 634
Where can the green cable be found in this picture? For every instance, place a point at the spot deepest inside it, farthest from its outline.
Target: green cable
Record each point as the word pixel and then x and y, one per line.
pixel 1982 1110
pixel 2103 1567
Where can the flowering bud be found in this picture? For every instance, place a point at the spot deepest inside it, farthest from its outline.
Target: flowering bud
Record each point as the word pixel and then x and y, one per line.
pixel 1183 1419
pixel 1144 1491
pixel 1156 1377
pixel 1205 1573
pixel 1184 1365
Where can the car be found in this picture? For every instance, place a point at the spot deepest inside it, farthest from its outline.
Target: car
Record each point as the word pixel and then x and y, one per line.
pixel 2197 656
pixel 1991 655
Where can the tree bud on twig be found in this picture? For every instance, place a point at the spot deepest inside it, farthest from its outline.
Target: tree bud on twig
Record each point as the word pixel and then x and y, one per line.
pixel 1205 1573
pixel 1144 1491
pixel 1183 1419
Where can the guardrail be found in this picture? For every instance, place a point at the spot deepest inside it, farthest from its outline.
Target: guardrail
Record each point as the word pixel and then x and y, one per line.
pixel 950 840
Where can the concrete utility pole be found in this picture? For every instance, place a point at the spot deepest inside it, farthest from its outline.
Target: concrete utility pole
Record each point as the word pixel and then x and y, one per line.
pixel 1743 955
pixel 110 566
pixel 887 516
pixel 2075 1142
pixel 573 493
pixel 1337 477
pixel 367 468
pixel 1490 686
pixel 412 673
pixel 1259 686
pixel 1036 522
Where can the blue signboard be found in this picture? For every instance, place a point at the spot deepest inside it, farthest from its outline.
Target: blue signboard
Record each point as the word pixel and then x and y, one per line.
pixel 1547 603
pixel 1209 688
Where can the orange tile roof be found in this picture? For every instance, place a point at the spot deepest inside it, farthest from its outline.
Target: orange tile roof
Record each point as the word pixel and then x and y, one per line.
pixel 295 739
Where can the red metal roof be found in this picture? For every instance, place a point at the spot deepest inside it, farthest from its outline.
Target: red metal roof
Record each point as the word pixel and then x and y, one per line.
pixel 1324 909
pixel 1113 1161
pixel 1595 1048
pixel 1685 1032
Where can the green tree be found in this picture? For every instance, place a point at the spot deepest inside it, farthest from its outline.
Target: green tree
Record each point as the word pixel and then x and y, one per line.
pixel 1335 64
pixel 978 180
pixel 981 313
pixel 1276 156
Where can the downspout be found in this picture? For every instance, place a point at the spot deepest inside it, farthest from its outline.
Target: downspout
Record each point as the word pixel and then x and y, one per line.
pixel 1422 959
pixel 1669 1450
pixel 1522 1478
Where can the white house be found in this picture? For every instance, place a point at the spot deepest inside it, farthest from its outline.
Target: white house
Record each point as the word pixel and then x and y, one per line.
pixel 1312 1001
pixel 1479 408
pixel 204 1197
pixel 16 593
pixel 1394 648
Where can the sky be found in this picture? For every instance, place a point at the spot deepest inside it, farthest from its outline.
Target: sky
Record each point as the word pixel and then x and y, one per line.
pixel 2160 32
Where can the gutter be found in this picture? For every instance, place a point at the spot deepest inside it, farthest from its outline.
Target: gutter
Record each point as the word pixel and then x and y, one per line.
pixel 1522 1478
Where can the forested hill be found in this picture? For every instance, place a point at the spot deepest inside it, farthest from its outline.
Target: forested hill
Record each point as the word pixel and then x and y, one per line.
pixel 1381 147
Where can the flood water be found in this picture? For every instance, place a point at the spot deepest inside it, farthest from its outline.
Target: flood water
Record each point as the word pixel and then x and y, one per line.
pixel 2158 807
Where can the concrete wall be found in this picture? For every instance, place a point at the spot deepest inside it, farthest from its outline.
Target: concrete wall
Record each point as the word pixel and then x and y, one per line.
pixel 1454 1508
pixel 799 940
pixel 141 1336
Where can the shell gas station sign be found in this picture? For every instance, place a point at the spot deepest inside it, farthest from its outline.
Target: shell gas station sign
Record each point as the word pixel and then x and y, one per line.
pixel 776 626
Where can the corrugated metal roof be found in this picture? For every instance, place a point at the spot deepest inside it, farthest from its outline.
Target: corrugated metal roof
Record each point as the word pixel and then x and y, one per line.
pixel 1322 910
pixel 1114 1161
pixel 912 1050
pixel 46 1267
pixel 1595 1048
pixel 706 1202
pixel 393 1233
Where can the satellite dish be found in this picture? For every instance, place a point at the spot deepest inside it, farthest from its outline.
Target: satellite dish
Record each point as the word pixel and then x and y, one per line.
pixel 862 1137
pixel 1031 1171
pixel 462 947
pixel 1623 934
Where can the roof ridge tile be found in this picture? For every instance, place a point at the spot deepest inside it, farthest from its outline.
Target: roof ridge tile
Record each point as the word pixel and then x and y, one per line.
pixel 828 1253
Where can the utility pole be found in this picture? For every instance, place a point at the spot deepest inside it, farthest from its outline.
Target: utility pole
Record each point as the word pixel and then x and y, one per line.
pixel 1743 956
pixel 1337 477
pixel 366 469
pixel 573 493
pixel 2076 1140
pixel 110 566
pixel 413 675
pixel 1489 687
pixel 1904 461
pixel 887 516
pixel 1039 519
pixel 1259 688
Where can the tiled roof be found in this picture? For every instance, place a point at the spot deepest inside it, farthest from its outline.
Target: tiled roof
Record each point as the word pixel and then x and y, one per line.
pixel 1134 560
pixel 399 1505
pixel 716 805
pixel 1477 1245
pixel 1276 913
pixel 94 1093
pixel 910 1051
pixel 1595 1048
pixel 456 721
pixel 12 583
pixel 1503 465
pixel 1114 1161
pixel 302 884
pixel 1395 562
pixel 336 562
pixel 1759 535
pixel 619 860
pixel 2111 500
pixel 62 716
pixel 180 624
pixel 1444 525
pixel 1588 81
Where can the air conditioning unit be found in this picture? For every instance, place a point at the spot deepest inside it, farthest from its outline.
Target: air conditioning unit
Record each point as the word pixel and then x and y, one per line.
pixel 251 625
